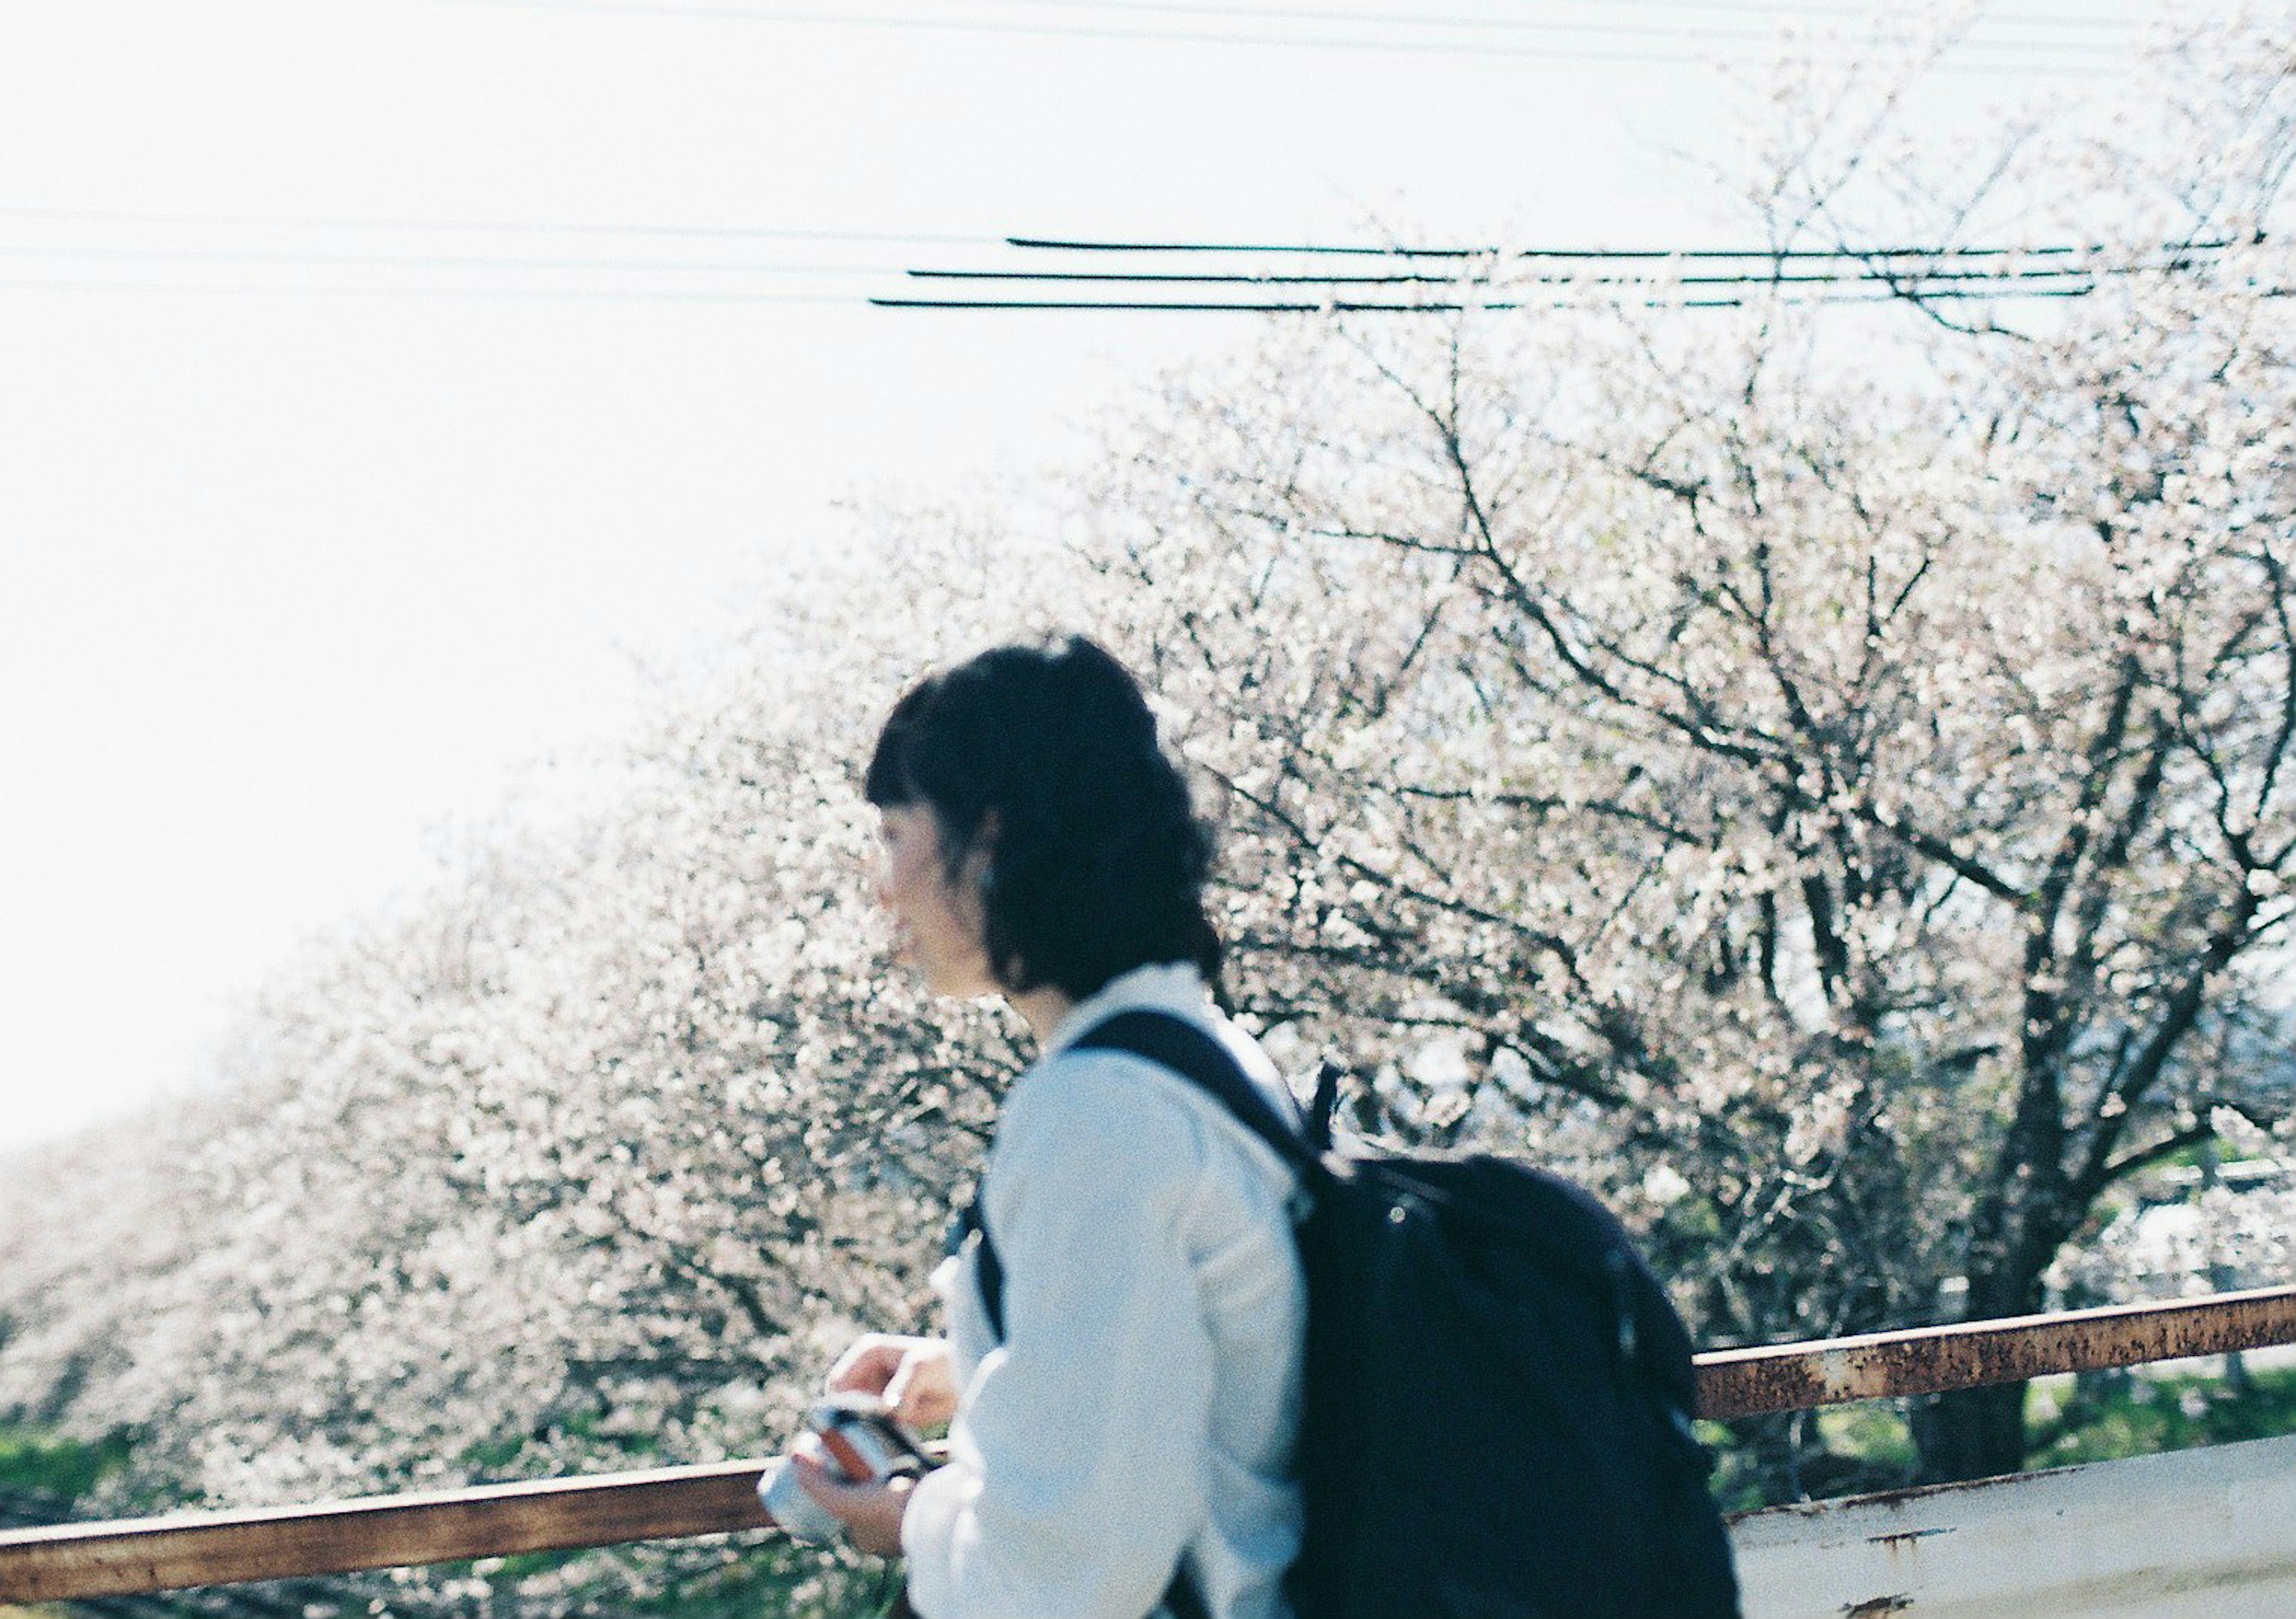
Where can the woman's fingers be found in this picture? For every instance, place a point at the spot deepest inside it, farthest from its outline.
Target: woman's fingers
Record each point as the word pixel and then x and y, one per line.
pixel 871 1509
pixel 867 1367
pixel 912 1375
pixel 923 1389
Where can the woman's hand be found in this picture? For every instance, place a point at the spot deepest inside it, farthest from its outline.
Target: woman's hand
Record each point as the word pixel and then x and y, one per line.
pixel 871 1510
pixel 913 1375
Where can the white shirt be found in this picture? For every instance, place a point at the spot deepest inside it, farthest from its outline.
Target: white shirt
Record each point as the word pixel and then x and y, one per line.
pixel 1145 1397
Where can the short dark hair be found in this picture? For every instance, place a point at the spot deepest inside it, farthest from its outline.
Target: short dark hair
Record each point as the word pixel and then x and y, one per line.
pixel 1096 862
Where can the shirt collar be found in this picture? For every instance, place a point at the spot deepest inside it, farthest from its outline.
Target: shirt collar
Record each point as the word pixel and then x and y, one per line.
pixel 1164 986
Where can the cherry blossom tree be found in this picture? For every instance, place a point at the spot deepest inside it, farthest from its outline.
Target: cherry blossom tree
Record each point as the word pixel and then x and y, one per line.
pixel 1845 753
pixel 1819 774
pixel 592 1156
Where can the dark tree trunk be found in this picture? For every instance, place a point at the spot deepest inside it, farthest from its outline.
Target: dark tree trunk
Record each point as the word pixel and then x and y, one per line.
pixel 1784 1458
pixel 1979 1433
pixel 1971 1433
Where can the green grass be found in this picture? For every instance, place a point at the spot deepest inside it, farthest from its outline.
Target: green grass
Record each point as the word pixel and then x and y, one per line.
pixel 2130 1415
pixel 64 1469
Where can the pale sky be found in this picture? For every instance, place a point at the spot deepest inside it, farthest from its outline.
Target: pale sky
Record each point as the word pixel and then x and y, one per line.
pixel 377 377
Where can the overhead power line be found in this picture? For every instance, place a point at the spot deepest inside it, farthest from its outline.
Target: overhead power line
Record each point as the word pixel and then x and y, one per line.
pixel 437 291
pixel 504 227
pixel 436 261
pixel 656 251
pixel 1970 55
pixel 1863 14
pixel 399 225
pixel 1094 274
pixel 1347 307
pixel 1846 275
pixel 1833 292
pixel 1974 270
pixel 1591 255
pixel 1519 26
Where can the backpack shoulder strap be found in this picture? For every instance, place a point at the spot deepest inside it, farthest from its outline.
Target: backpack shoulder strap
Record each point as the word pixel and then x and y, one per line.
pixel 1174 1043
pixel 1171 1042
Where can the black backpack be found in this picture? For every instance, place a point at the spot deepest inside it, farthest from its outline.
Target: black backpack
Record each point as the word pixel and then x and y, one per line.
pixel 1496 1419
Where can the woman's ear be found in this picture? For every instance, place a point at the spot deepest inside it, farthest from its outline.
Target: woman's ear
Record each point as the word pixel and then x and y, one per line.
pixel 980 858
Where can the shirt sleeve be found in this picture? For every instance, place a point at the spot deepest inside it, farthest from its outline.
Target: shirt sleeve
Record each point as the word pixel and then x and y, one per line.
pixel 1077 1468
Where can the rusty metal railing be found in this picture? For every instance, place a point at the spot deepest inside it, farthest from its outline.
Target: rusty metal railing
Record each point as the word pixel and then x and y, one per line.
pixel 1937 1359
pixel 342 1537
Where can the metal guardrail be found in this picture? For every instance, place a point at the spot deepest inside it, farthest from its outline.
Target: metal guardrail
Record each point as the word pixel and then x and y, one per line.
pixel 224 1547
pixel 1936 1360
pixel 109 1559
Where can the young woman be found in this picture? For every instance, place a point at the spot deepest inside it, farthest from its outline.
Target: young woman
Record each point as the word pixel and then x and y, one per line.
pixel 1132 1424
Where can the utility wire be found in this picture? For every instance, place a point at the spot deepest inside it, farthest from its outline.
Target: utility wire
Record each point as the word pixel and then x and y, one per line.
pixel 1847 271
pixel 1823 276
pixel 1865 15
pixel 1593 255
pixel 1806 297
pixel 507 227
pixel 1796 291
pixel 1341 306
pixel 1539 27
pixel 1958 59
pixel 1816 274
pixel 1846 276
pixel 402 224
pixel 602 295
pixel 430 261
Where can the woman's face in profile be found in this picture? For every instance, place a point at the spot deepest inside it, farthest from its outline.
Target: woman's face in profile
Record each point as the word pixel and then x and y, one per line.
pixel 937 925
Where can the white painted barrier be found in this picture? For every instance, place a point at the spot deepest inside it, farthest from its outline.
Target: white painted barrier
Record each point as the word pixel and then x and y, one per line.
pixel 2190 1535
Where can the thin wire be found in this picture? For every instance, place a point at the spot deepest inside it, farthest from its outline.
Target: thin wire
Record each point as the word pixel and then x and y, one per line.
pixel 1926 281
pixel 684 8
pixel 1598 255
pixel 436 261
pixel 1858 14
pixel 1049 243
pixel 1846 276
pixel 1334 306
pixel 1837 268
pixel 1343 307
pixel 1539 25
pixel 492 226
pixel 1321 306
pixel 490 294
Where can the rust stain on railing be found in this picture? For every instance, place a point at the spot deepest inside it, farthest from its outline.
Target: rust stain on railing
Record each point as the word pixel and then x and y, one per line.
pixel 1933 1360
pixel 118 1559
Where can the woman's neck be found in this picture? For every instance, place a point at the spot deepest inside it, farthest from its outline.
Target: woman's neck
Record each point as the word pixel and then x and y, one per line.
pixel 1043 1010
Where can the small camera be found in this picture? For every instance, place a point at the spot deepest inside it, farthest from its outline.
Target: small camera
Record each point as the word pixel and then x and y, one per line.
pixel 857 1436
